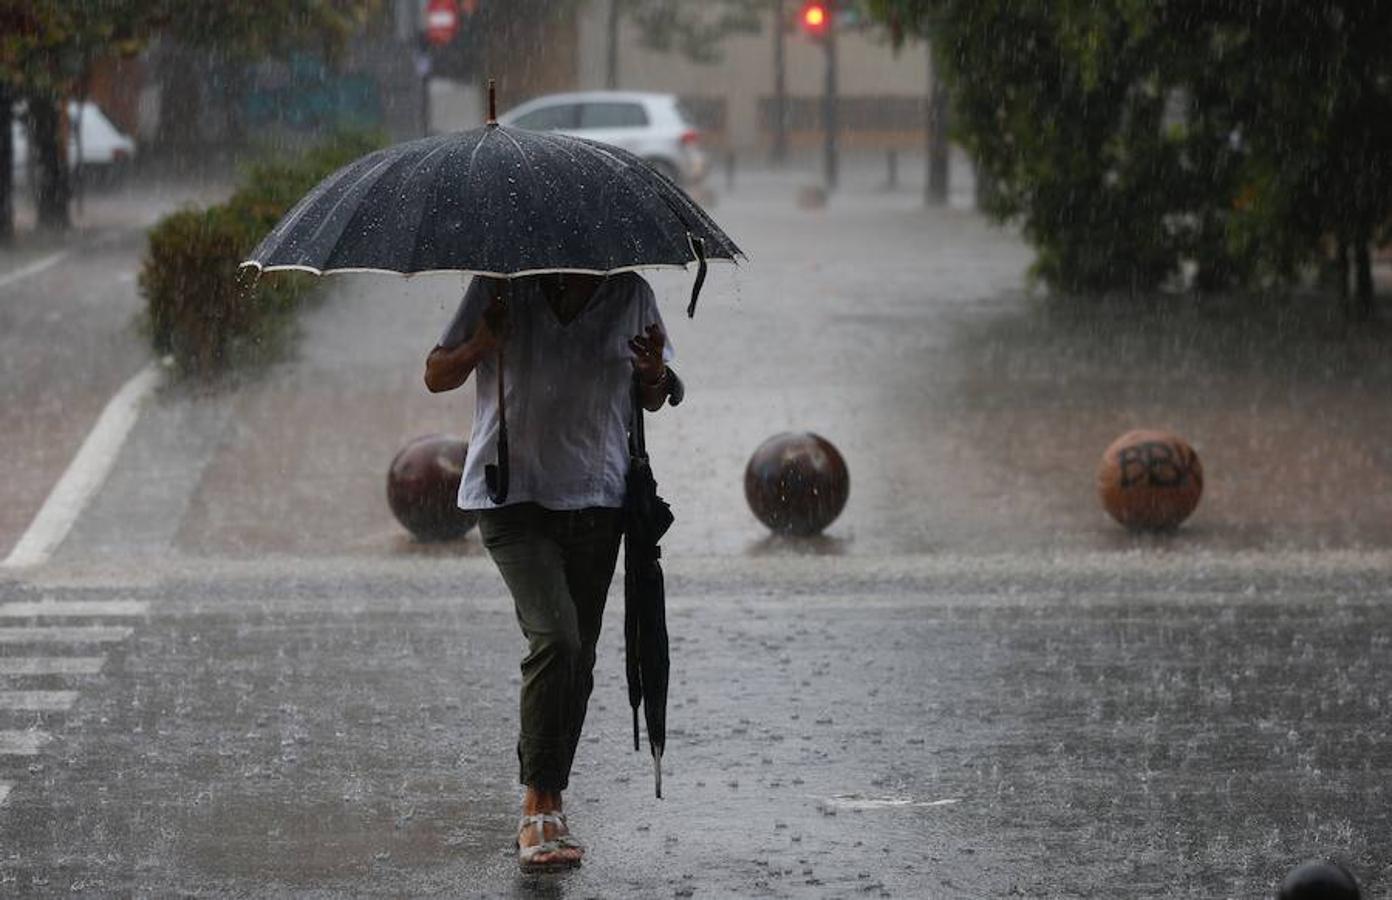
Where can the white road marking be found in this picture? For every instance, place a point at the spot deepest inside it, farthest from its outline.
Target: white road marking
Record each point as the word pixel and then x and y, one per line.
pixel 68 608
pixel 33 268
pixel 5 787
pixel 85 474
pixel 65 634
pixel 857 802
pixel 51 665
pixel 47 701
pixel 23 743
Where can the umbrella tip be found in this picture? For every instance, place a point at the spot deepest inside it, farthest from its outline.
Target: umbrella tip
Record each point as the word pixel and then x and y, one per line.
pixel 492 102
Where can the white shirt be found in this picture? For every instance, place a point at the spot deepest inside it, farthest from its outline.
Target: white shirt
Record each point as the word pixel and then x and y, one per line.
pixel 568 393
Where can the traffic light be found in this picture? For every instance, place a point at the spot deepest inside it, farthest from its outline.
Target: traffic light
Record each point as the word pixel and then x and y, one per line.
pixel 815 19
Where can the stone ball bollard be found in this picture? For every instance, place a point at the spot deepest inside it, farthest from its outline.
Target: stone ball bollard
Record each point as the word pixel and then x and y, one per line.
pixel 1319 881
pixel 423 486
pixel 797 483
pixel 1150 480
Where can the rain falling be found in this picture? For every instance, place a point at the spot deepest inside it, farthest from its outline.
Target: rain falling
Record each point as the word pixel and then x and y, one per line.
pixel 752 448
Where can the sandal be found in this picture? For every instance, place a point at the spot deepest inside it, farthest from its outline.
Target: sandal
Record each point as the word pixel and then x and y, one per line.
pixel 527 856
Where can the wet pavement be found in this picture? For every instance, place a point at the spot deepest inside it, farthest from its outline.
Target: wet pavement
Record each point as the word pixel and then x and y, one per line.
pixel 973 684
pixel 948 729
pixel 70 334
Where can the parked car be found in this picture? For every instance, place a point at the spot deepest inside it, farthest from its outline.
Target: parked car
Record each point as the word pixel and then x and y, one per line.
pixel 104 148
pixel 652 126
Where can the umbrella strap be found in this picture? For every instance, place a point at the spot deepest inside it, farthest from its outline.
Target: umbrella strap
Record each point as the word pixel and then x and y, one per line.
pixel 698 246
pixel 495 477
pixel 637 442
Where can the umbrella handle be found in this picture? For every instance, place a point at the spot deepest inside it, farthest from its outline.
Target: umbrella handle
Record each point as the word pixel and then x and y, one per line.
pixel 496 477
pixel 698 246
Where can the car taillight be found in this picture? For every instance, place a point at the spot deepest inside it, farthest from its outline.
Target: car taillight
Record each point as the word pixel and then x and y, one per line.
pixel 690 138
pixel 119 154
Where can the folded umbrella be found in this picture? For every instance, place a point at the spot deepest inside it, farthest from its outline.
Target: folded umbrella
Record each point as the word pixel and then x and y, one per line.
pixel 646 518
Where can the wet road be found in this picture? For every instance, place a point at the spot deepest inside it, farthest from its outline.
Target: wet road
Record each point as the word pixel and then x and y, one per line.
pixel 947 728
pixel 971 414
pixel 69 335
pixel 972 685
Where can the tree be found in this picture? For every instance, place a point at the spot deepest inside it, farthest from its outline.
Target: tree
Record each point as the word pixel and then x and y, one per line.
pixel 694 30
pixel 46 47
pixel 237 34
pixel 1129 138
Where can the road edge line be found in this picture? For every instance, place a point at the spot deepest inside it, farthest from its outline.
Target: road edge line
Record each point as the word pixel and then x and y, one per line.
pixel 33 268
pixel 85 474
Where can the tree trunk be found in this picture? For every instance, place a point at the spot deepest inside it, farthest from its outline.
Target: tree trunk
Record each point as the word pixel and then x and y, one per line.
pixel 7 226
pixel 936 187
pixel 1341 270
pixel 179 133
pixel 1362 308
pixel 611 75
pixel 50 154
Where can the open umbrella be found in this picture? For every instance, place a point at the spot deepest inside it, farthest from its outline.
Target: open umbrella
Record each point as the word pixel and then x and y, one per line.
pixel 646 518
pixel 496 201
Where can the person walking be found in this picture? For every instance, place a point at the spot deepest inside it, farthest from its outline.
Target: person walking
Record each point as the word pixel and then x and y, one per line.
pixel 573 345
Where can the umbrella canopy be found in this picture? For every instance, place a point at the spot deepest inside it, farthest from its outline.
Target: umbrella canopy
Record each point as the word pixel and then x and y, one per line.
pixel 494 201
pixel 646 518
pixel 498 201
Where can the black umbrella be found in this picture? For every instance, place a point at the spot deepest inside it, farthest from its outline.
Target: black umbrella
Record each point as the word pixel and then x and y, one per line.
pixel 646 518
pixel 496 201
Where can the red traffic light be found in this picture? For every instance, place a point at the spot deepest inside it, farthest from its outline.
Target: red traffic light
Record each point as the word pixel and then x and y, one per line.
pixel 815 18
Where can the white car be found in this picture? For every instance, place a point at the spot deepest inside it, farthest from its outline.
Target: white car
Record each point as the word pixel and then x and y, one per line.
pixel 652 126
pixel 103 146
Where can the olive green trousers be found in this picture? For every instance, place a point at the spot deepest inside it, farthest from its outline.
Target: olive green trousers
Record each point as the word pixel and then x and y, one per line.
pixel 558 565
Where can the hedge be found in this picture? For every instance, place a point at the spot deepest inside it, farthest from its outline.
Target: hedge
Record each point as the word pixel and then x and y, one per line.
pixel 201 309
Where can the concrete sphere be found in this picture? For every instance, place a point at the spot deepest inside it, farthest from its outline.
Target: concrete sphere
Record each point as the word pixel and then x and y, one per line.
pixel 1319 881
pixel 423 484
pixel 797 483
pixel 1150 480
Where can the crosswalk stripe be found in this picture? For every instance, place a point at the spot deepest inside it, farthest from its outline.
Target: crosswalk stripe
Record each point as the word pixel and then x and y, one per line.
pixel 23 743
pixel 51 665
pixel 5 787
pixel 38 700
pixel 65 634
pixel 69 608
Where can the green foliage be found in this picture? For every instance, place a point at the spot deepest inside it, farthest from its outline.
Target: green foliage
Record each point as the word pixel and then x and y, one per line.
pixel 201 310
pixel 693 29
pixel 1131 137
pixel 204 311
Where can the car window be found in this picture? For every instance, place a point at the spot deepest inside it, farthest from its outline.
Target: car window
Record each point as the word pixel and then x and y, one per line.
pixel 549 118
pixel 612 115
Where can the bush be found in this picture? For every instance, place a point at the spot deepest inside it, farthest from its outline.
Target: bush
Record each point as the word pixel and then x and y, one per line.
pixel 201 308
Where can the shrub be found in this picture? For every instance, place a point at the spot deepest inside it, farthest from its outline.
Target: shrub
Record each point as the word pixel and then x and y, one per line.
pixel 201 308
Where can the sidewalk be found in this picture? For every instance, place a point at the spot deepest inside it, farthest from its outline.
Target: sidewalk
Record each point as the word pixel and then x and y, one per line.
pixel 972 415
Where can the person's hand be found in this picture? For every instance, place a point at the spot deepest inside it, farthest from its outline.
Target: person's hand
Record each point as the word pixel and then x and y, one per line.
pixel 647 354
pixel 493 326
